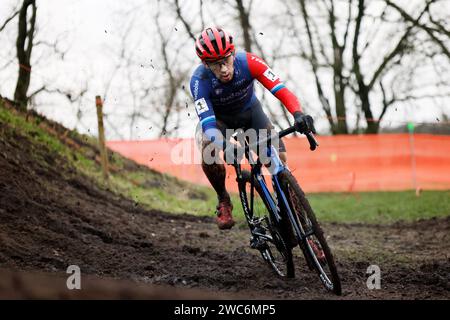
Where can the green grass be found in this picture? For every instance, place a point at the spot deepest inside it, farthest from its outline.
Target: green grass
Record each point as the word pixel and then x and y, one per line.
pixel 374 207
pixel 380 207
pixel 31 130
pixel 151 189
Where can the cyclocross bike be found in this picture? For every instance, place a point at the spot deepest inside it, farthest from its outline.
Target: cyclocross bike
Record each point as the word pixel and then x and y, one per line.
pixel 282 220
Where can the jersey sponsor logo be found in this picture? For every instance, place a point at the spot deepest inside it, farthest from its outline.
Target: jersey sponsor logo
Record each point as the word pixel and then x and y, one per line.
pixel 238 82
pixel 258 60
pixel 196 83
pixel 201 106
pixel 270 75
pixel 237 94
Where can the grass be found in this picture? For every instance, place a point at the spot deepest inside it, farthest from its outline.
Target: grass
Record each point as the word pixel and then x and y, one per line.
pixel 373 207
pixel 31 130
pixel 154 190
pixel 380 207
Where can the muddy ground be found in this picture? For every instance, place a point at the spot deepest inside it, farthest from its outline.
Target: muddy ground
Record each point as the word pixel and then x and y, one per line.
pixel 52 217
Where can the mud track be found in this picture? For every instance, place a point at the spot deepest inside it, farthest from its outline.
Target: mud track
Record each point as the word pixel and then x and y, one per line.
pixel 52 217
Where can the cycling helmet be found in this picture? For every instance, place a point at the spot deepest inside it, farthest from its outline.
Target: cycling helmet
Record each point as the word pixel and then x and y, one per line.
pixel 213 44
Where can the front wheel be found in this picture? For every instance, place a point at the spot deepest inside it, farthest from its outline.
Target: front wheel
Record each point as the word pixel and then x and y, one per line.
pixel 278 255
pixel 270 243
pixel 314 245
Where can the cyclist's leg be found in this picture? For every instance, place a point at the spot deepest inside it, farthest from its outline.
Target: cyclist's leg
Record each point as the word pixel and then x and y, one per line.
pixel 216 173
pixel 259 120
pixel 215 170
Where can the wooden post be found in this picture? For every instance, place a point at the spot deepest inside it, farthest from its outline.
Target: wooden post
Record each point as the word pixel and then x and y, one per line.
pixel 101 137
pixel 413 157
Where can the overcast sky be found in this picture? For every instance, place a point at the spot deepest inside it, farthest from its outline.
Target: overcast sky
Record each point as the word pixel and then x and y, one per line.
pixel 90 32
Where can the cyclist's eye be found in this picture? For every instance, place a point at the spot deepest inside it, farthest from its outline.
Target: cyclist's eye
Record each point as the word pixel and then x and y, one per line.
pixel 218 64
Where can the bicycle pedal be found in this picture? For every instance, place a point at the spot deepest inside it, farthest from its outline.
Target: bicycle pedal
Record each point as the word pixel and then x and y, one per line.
pixel 259 244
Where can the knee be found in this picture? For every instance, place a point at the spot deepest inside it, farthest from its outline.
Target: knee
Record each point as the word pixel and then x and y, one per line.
pixel 209 154
pixel 283 157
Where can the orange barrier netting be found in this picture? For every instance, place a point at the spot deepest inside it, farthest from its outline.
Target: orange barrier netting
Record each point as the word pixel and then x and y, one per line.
pixel 345 163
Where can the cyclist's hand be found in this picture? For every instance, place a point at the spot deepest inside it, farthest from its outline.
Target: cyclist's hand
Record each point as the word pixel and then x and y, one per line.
pixel 304 123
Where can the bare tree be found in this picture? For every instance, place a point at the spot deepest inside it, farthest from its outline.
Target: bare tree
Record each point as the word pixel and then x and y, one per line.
pixel 313 60
pixel 244 20
pixel 9 19
pixel 175 79
pixel 356 78
pixel 432 29
pixel 393 57
pixel 24 45
pixel 183 20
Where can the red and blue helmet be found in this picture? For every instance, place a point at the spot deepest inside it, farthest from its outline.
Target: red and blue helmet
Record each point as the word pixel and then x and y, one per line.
pixel 213 44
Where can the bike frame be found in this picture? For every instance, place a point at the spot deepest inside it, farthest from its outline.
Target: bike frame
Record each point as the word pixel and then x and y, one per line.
pixel 280 208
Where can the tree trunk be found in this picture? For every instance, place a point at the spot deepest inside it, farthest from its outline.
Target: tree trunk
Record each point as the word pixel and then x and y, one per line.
pixel 338 79
pixel 24 47
pixel 245 25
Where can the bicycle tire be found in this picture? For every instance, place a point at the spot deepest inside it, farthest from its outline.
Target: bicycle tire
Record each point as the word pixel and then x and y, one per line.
pixel 305 213
pixel 278 242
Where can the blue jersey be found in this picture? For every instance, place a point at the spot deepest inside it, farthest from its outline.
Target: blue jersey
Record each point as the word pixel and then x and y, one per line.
pixel 212 97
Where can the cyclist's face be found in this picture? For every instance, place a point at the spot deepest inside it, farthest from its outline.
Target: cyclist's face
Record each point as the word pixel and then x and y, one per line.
pixel 223 69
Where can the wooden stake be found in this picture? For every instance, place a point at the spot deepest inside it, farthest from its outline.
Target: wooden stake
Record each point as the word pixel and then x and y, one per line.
pixel 101 137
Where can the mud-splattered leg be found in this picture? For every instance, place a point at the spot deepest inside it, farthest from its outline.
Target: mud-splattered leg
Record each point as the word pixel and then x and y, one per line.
pixel 283 157
pixel 215 172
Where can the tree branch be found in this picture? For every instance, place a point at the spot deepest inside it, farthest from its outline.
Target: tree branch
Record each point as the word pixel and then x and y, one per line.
pixel 313 61
pixel 186 25
pixel 9 19
pixel 244 19
pixel 415 22
pixel 439 26
pixel 386 103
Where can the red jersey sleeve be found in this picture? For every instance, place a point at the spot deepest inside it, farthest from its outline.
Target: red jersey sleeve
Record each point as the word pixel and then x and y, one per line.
pixel 261 72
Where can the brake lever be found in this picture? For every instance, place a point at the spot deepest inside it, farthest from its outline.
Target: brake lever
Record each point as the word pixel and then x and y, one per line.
pixel 313 144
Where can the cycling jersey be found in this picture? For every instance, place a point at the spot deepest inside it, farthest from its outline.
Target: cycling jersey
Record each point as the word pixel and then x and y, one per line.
pixel 212 97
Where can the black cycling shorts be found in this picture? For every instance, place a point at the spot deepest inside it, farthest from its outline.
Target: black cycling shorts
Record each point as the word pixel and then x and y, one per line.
pixel 254 118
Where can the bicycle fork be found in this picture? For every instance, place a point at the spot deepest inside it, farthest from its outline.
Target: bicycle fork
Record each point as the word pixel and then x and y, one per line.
pixel 259 234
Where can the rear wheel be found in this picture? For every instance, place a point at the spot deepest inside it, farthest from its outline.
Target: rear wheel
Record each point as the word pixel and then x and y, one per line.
pixel 271 244
pixel 314 247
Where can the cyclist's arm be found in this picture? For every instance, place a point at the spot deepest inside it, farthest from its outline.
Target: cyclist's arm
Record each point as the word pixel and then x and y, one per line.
pixel 205 111
pixel 261 72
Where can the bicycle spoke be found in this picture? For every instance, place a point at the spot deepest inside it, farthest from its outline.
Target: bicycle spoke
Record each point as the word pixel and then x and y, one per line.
pixel 314 247
pixel 267 239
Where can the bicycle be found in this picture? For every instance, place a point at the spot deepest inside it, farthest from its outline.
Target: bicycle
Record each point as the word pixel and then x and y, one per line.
pixel 287 220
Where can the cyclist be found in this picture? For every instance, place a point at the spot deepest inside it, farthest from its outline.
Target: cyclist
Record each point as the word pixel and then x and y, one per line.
pixel 224 97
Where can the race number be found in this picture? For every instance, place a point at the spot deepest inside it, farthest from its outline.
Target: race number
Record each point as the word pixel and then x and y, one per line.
pixel 270 75
pixel 201 106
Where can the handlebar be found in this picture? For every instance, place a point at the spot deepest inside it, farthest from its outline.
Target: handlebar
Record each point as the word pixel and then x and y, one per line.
pixel 313 144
